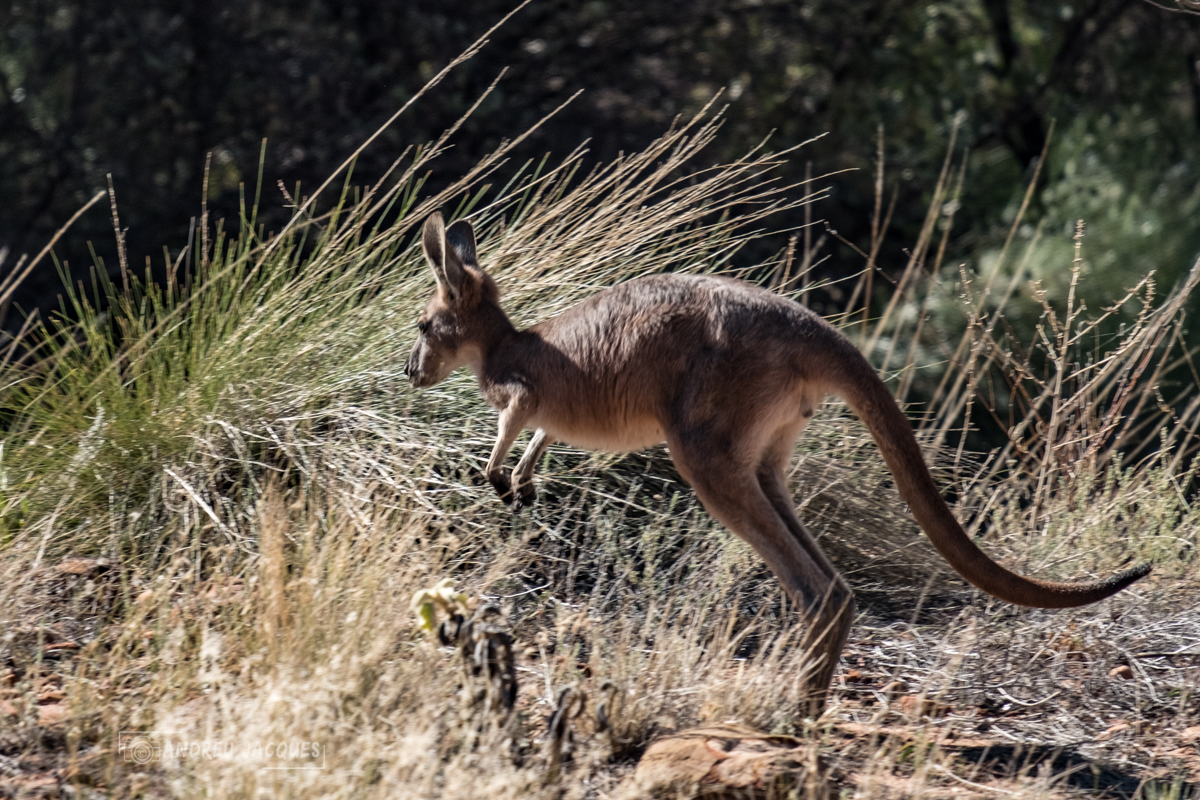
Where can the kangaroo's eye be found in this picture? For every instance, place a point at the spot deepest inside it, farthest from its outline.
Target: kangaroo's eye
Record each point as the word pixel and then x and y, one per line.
pixel 423 326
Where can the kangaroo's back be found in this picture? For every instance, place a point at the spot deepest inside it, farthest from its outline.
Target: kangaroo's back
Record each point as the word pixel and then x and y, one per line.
pixel 663 326
pixel 619 368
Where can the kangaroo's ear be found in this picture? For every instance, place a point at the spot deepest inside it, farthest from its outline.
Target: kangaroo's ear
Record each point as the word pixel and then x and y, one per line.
pixel 461 238
pixel 445 263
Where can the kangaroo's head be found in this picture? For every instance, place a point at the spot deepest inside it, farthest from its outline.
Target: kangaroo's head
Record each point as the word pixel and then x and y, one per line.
pixel 463 318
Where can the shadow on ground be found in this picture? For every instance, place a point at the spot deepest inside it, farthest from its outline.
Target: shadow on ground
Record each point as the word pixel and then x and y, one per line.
pixel 1066 768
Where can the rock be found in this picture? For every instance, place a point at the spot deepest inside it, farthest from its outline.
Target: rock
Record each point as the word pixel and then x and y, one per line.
pixel 51 714
pixel 727 760
pixel 83 566
pixel 1190 735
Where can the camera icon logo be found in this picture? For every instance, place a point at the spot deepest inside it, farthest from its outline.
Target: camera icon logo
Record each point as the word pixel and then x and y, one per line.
pixel 138 748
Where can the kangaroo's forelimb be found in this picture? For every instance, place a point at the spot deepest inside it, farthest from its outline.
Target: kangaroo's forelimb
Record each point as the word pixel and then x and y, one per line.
pixel 513 419
pixel 523 475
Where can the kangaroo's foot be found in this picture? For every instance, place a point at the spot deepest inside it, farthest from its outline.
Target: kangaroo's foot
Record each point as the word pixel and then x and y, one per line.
pixel 526 495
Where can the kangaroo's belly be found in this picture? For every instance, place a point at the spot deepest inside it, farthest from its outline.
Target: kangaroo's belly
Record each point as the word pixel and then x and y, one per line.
pixel 624 436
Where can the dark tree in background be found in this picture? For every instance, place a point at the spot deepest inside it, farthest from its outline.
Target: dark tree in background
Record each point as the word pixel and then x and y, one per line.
pixel 143 89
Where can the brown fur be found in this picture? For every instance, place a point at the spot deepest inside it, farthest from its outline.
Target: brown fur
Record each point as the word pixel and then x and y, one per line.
pixel 728 375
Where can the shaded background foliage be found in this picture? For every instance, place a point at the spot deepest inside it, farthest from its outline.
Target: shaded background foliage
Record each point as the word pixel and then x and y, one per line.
pixel 143 89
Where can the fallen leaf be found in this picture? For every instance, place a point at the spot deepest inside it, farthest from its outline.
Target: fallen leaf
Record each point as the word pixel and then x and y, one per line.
pixel 916 706
pixel 1113 731
pixel 1123 672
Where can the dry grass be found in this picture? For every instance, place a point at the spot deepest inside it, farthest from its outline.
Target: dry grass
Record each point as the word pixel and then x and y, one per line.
pixel 219 499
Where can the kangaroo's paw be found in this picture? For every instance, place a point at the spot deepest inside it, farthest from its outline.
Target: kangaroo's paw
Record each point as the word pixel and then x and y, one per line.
pixel 502 485
pixel 525 496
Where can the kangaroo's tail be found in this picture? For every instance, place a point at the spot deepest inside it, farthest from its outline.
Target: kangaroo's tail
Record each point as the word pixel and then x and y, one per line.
pixel 859 385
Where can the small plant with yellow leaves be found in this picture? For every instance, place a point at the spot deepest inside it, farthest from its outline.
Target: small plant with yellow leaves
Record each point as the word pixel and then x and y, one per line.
pixel 427 602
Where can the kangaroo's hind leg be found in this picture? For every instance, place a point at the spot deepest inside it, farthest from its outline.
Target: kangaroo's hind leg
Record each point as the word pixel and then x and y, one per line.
pixel 832 618
pixel 733 492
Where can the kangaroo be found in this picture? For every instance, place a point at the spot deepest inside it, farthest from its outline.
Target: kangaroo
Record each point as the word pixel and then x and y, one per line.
pixel 728 375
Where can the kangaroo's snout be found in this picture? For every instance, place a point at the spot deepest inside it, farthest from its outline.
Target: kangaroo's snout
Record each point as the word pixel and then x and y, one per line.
pixel 409 368
pixel 412 366
pixel 426 365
